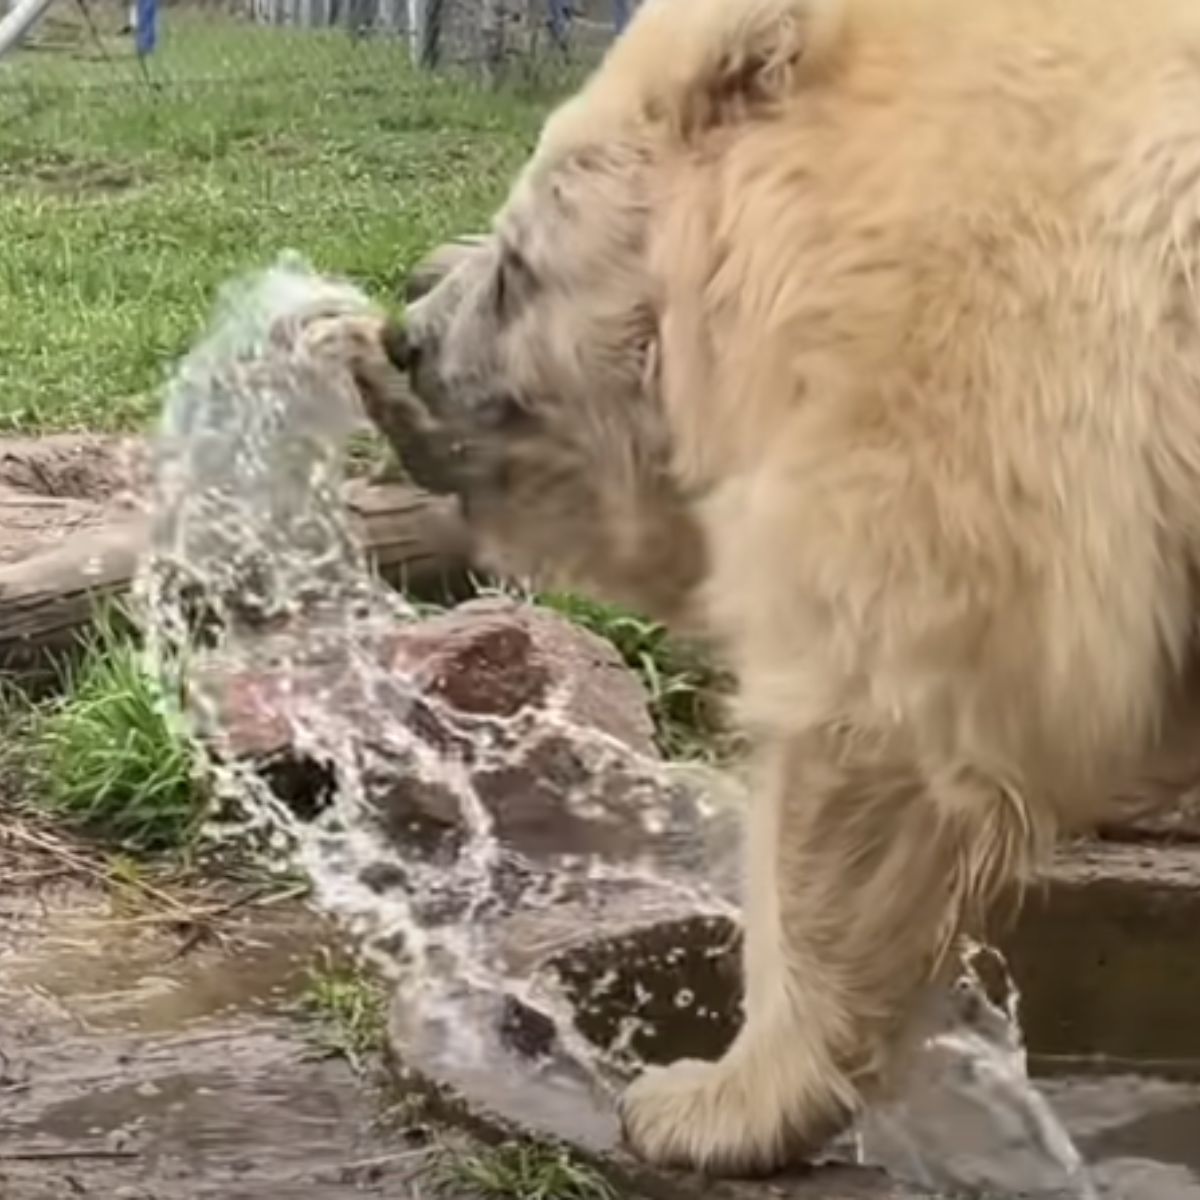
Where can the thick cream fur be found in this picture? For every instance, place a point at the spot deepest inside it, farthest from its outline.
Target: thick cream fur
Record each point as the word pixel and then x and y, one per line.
pixel 908 290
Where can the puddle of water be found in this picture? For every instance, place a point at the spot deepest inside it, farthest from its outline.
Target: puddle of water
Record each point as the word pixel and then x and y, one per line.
pixel 125 978
pixel 1141 1134
pixel 136 1073
pixel 250 531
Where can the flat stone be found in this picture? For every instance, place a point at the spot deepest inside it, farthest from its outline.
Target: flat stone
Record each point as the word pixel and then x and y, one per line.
pixel 1105 953
pixel 485 658
pixel 1173 819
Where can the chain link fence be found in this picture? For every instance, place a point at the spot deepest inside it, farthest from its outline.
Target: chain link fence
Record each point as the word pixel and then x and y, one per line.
pixel 178 42
pixel 151 150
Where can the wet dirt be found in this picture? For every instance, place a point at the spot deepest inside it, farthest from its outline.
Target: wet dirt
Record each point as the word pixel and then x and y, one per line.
pixel 135 1065
pixel 132 1071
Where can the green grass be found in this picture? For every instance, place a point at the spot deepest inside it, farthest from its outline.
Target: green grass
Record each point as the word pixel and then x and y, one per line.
pixel 111 755
pixel 523 1171
pixel 123 208
pixel 348 1011
pixel 682 684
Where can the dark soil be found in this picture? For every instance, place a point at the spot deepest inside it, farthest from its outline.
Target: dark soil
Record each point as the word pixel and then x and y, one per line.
pixel 140 1062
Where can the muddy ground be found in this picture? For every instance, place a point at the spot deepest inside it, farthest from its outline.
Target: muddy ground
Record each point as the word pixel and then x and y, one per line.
pixel 147 1055
pixel 152 1045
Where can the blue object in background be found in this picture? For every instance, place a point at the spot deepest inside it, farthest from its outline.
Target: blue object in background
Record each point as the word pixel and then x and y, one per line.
pixel 146 30
pixel 559 21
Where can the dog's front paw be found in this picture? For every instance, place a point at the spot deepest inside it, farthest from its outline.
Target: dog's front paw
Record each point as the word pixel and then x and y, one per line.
pixel 353 342
pixel 365 348
pixel 703 1117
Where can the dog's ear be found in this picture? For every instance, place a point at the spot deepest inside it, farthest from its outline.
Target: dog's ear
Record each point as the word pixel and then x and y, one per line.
pixel 434 267
pixel 694 64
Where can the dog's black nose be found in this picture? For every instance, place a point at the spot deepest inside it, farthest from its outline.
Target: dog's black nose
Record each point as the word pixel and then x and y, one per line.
pixel 396 345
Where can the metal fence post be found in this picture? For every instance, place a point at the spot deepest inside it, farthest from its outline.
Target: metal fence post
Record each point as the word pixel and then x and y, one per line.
pixel 425 32
pixel 492 39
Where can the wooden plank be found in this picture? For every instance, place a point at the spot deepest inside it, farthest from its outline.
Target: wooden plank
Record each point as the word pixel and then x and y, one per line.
pixel 416 541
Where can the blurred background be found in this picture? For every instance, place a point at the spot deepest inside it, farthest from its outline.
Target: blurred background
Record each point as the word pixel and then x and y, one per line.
pixel 151 150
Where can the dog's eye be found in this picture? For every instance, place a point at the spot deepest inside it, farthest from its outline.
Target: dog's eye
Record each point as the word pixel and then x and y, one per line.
pixel 500 290
pixel 499 412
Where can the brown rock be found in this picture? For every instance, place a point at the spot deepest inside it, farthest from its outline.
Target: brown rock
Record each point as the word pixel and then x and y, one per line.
pixel 514 695
pixel 488 666
pixel 562 794
pixel 497 656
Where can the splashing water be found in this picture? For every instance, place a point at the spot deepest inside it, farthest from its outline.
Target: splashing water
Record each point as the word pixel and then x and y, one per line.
pixel 967 1116
pixel 251 540
pixel 252 547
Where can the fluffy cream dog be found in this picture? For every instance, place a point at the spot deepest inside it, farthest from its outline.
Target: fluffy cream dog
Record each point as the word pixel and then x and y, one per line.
pixel 862 334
